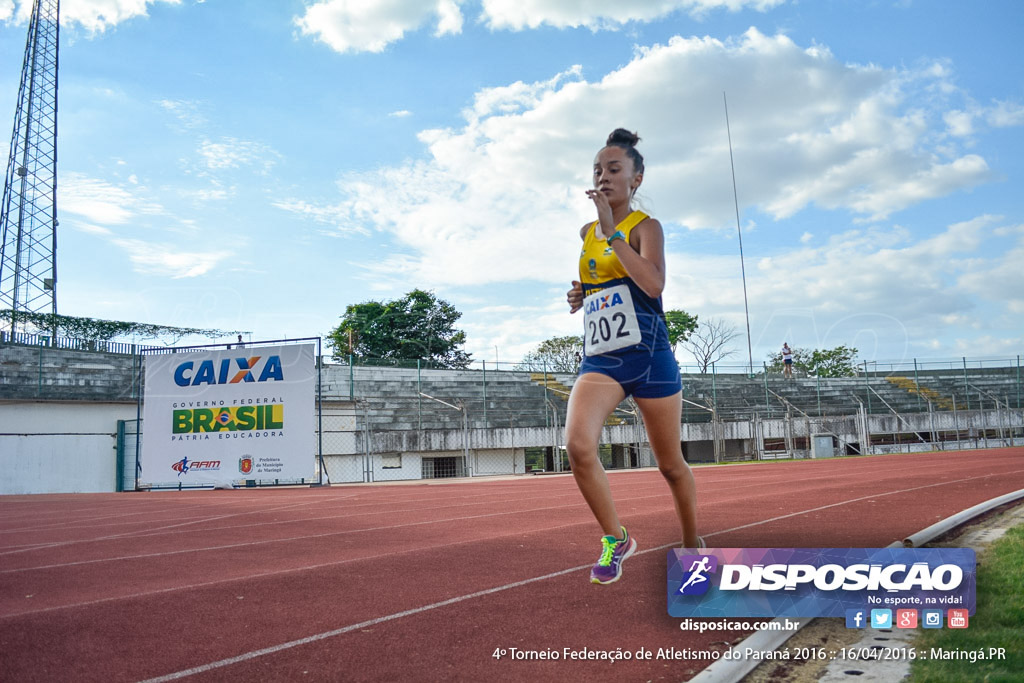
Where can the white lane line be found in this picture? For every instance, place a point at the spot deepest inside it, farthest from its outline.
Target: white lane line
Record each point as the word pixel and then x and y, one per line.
pixel 354 627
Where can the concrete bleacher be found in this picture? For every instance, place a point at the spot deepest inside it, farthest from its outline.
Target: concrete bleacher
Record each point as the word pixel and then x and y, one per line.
pixel 738 396
pixel 39 372
pixel 973 389
pixel 412 399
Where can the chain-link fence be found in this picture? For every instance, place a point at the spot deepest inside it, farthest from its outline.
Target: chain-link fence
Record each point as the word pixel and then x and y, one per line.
pixel 409 421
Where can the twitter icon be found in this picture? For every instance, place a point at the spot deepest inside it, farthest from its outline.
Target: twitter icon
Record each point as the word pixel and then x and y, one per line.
pixel 881 618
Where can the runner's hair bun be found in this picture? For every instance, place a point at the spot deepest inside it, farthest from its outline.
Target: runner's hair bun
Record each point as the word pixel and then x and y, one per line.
pixel 623 138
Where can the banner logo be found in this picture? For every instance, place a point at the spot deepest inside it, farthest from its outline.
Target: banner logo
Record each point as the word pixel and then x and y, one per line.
pixel 245 465
pixel 228 419
pixel 867 586
pixel 184 466
pixel 187 374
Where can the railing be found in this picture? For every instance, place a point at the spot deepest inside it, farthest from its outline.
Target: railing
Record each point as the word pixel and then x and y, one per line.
pixel 74 344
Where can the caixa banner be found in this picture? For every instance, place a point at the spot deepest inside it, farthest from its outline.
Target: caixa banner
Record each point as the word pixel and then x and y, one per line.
pixel 224 416
pixel 817 582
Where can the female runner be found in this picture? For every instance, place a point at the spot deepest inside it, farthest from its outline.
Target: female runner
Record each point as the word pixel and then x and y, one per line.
pixel 626 350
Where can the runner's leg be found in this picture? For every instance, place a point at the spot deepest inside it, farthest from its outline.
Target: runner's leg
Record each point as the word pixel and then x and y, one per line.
pixel 661 418
pixel 593 398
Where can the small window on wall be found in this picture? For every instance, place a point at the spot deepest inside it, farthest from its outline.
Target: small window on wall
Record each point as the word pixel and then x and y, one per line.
pixel 391 461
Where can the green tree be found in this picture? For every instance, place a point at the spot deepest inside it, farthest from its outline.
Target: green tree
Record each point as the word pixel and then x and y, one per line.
pixel 837 362
pixel 680 326
pixel 416 326
pixel 834 362
pixel 558 354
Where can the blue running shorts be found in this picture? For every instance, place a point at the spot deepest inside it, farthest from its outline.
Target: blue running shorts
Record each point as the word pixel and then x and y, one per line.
pixel 641 373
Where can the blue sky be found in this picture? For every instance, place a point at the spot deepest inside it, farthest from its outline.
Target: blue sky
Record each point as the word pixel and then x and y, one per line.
pixel 261 165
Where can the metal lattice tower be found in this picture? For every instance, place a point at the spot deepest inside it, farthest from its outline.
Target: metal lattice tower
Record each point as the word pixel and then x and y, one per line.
pixel 28 260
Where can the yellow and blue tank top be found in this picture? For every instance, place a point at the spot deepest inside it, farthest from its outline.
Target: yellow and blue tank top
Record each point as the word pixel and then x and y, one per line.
pixel 600 269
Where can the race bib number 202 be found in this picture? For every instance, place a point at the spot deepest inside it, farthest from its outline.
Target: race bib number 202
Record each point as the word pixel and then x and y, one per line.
pixel 610 321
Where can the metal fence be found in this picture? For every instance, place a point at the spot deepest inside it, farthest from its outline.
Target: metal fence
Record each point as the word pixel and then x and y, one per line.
pixel 386 421
pixel 74 344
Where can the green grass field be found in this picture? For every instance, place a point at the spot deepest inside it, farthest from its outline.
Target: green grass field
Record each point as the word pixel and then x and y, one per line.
pixel 997 625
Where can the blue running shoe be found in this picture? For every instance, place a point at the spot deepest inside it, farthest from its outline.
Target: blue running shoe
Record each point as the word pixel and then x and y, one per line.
pixel 609 566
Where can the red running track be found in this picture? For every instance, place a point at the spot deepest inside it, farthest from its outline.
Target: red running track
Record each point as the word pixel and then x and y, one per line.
pixel 418 582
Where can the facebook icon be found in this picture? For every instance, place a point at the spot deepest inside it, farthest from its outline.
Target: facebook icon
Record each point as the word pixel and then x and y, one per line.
pixel 856 618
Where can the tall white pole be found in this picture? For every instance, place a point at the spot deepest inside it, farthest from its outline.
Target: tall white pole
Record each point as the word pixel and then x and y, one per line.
pixel 739 232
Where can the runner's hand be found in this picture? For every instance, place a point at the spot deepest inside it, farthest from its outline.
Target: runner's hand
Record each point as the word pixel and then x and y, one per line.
pixel 575 297
pixel 604 211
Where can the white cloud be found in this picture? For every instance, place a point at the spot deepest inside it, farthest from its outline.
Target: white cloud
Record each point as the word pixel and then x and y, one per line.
pixel 97 200
pixel 108 211
pixel 876 289
pixel 165 260
pixel 335 216
pixel 501 198
pixel 95 16
pixel 1005 114
pixel 91 229
pixel 601 14
pixel 1000 279
pixel 187 112
pixel 961 123
pixel 989 346
pixel 211 194
pixel 359 26
pixel 235 153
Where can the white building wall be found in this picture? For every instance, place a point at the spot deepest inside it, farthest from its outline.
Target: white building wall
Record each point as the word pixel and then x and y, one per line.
pixel 53 447
pixel 499 461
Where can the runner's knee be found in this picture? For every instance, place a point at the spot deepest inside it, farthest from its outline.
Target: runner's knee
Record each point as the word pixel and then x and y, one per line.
pixel 674 470
pixel 582 449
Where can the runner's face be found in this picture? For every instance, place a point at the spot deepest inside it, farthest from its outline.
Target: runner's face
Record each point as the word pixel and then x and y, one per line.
pixel 614 175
